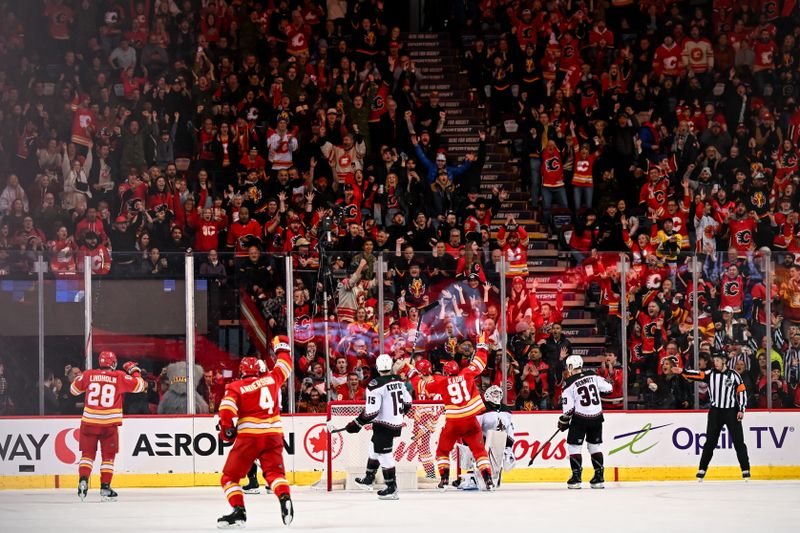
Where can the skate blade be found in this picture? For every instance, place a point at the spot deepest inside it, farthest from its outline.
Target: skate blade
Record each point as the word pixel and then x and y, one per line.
pixel 239 524
pixel 598 485
pixel 392 496
pixel 574 487
pixel 108 498
pixel 365 487
pixel 251 491
pixel 289 516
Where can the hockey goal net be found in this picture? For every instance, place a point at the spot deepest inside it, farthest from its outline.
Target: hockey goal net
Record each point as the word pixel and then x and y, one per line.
pixel 414 453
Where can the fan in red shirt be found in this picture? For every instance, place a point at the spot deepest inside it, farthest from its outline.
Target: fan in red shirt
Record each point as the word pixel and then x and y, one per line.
pixel 100 257
pixel 613 374
pixel 668 60
pixel 742 228
pixel 250 416
pixel 103 391
pixel 207 229
pixel 463 404
pixel 654 193
pixel 243 232
pixel 351 390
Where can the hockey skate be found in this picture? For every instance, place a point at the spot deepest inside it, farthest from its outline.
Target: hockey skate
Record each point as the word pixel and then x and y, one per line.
pixel 389 493
pixel 444 481
pixel 575 481
pixel 287 509
pixel 235 520
pixel 487 480
pixel 107 494
pixel 701 474
pixel 746 475
pixel 83 487
pixel 366 481
pixel 597 481
pixel 252 486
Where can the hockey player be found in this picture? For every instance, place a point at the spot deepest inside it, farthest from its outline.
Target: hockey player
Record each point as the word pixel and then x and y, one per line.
pixel 463 404
pixel 582 414
pixel 387 401
pixel 498 434
pixel 102 416
pixel 424 418
pixel 257 434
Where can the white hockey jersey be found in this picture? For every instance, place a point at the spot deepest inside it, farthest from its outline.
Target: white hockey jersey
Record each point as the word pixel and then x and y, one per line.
pixel 581 396
pixel 496 420
pixel 387 401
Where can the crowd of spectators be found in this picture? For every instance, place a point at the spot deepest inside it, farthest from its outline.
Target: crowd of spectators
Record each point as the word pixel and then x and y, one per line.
pixel 239 131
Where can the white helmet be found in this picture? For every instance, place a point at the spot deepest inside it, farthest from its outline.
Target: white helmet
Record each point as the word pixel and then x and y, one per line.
pixel 493 394
pixel 384 363
pixel 573 362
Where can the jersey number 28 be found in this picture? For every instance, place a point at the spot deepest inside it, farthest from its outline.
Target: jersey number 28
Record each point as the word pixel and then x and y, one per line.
pixel 589 395
pixel 101 395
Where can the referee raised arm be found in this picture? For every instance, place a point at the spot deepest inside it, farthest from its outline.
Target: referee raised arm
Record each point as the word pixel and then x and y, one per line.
pixel 728 396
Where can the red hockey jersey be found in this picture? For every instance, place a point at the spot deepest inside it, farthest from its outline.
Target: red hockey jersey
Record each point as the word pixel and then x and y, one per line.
pixel 103 391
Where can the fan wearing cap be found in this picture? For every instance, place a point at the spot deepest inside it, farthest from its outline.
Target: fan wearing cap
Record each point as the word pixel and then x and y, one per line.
pixel 513 240
pixel 122 239
pixel 440 164
pixel 100 257
pixel 346 158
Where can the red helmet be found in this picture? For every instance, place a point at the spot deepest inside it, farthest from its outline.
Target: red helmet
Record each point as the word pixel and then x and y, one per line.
pixel 423 366
pixel 108 360
pixel 451 368
pixel 249 367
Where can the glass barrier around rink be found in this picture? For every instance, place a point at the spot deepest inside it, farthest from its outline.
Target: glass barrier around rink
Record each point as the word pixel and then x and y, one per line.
pixel 26 387
pixel 137 310
pixel 239 306
pixel 783 378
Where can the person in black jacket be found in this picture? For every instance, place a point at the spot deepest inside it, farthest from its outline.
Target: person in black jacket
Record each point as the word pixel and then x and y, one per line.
pixel 667 390
pixel 555 349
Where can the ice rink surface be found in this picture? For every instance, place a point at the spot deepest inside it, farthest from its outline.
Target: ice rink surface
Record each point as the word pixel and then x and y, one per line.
pixel 757 506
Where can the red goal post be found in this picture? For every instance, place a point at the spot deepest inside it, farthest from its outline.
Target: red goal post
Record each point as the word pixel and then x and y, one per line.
pixel 415 450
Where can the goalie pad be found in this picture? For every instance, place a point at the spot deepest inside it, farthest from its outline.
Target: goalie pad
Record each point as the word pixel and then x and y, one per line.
pixel 495 447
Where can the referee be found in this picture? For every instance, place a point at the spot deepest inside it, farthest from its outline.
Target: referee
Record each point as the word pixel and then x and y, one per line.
pixel 728 397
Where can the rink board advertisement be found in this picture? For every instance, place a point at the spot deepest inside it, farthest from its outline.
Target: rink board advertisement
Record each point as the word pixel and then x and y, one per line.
pixel 649 442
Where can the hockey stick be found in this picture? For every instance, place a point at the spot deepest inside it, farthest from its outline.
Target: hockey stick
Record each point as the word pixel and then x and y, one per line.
pixel 422 311
pixel 542 447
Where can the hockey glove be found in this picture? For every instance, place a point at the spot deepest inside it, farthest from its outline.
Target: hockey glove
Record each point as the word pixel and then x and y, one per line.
pixel 563 422
pixel 353 427
pixel 228 434
pixel 280 343
pixel 132 368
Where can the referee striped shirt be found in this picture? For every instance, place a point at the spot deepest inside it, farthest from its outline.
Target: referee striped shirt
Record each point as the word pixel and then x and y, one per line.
pixel 725 389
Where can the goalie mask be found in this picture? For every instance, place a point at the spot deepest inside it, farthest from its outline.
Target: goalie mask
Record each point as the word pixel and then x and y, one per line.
pixel 574 362
pixel 494 395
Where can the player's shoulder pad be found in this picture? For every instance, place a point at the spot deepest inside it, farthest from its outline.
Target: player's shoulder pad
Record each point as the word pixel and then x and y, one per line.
pixel 373 384
pixel 572 379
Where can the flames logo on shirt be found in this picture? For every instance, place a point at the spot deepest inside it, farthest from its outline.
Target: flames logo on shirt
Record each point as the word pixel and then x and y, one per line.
pixel 530 65
pixel 527 33
pixel 552 164
pixel 582 166
pixel 659 196
pixel 744 237
pixel 770 9
pixel 758 199
pixel 254 193
pixel 649 330
pixel 670 62
pixel 696 54
pixel 378 103
pixel 369 38
pixel 731 288
pixel 568 51
pixel 451 346
pixel 302 329
pixel 416 288
pixel 654 281
pixel 350 212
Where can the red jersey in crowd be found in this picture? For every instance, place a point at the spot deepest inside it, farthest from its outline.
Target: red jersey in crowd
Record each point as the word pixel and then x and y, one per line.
pixel 552 168
pixel 240 233
pixel 742 233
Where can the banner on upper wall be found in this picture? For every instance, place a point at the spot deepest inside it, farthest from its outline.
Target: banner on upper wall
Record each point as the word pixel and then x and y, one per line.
pixel 163 445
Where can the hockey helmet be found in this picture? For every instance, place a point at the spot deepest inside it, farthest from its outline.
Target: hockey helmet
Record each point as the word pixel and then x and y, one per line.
pixel 249 367
pixel 108 360
pixel 450 368
pixel 493 394
pixel 424 367
pixel 574 362
pixel 384 363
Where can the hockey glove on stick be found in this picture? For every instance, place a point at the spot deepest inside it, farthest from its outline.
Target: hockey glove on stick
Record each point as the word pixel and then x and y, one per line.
pixel 228 434
pixel 563 422
pixel 353 427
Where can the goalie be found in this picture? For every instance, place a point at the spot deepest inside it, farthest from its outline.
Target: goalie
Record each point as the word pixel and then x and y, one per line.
pixel 498 437
pixel 387 401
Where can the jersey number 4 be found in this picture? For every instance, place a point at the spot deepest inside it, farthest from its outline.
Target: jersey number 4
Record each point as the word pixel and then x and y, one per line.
pixel 266 402
pixel 589 395
pixel 101 395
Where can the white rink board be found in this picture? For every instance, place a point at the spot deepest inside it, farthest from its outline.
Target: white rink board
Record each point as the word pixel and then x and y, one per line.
pixel 157 445
pixel 726 506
